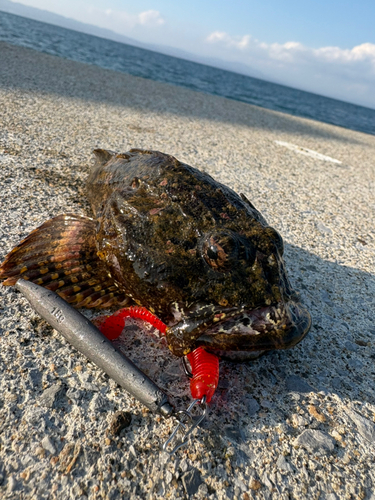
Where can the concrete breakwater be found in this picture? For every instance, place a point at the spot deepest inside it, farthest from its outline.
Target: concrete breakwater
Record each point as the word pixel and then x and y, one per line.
pixel 292 424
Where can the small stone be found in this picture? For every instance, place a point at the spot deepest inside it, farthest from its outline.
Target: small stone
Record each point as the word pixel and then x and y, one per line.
pixel 265 403
pixel 298 420
pixel 132 451
pixel 326 298
pixel 365 427
pixel 336 435
pixel 191 481
pixel 98 404
pixel 168 477
pixel 12 483
pixel 314 440
pixel 252 406
pixel 234 434
pixel 39 451
pixel 267 482
pixel 314 413
pixel 203 490
pixel 90 387
pixel 48 445
pixel 255 484
pixel 51 395
pixel 240 484
pixel 356 364
pixel 351 346
pixel 184 465
pixel 68 456
pixel 2 474
pixel 322 228
pixel 296 384
pixel 283 465
pixel 361 342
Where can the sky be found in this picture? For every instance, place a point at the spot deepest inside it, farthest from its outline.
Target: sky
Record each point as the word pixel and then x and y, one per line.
pixel 322 46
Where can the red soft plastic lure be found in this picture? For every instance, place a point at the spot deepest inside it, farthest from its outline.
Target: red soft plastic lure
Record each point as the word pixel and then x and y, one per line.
pixel 204 366
pixel 112 326
pixel 205 373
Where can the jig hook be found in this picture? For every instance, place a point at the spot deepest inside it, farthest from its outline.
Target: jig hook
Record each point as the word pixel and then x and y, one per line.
pixel 193 420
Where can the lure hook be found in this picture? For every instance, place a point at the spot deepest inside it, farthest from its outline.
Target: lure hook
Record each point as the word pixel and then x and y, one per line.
pixel 193 420
pixel 186 368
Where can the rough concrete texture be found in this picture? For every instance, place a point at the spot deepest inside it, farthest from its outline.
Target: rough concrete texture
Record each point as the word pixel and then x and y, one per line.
pixel 292 424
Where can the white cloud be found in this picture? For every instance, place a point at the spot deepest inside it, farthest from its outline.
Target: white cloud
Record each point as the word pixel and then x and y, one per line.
pixel 123 22
pixel 293 51
pixel 238 42
pixel 150 17
pixel 345 73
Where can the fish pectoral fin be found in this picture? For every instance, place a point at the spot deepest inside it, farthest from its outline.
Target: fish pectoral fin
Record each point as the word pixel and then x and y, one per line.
pixel 61 255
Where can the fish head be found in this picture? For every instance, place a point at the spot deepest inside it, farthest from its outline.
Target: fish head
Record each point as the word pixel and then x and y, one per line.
pixel 198 255
pixel 246 304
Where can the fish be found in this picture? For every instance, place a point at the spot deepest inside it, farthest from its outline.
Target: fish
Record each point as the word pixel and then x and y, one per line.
pixel 168 237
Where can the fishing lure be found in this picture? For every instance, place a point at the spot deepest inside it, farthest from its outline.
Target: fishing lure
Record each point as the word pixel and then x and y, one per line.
pixel 204 375
pixel 95 345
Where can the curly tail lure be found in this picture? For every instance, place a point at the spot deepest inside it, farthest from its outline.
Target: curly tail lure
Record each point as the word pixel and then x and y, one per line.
pixel 204 375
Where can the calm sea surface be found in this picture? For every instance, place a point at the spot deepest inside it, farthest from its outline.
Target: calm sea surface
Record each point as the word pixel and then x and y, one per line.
pixel 155 66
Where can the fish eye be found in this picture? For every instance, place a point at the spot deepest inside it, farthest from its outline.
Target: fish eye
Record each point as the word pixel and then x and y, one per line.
pixel 217 251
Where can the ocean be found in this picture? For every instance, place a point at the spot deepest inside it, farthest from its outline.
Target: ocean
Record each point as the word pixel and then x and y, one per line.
pixel 125 58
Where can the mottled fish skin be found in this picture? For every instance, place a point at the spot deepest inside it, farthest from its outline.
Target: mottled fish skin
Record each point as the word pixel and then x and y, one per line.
pixel 172 239
pixel 185 246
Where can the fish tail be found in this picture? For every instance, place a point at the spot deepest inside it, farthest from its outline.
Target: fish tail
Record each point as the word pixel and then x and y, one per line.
pixel 61 255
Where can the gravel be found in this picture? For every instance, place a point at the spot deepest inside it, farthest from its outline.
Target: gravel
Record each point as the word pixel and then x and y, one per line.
pixel 309 410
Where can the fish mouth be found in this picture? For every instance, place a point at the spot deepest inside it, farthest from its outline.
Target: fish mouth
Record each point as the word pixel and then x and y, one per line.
pixel 262 329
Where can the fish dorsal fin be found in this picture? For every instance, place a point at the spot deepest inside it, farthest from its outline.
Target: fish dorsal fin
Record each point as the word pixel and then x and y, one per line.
pixel 103 155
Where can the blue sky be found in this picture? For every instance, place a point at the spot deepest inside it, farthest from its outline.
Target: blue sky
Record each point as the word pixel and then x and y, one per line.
pixel 326 47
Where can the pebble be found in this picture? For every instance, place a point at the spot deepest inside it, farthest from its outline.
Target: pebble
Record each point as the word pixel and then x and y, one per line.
pixel 283 465
pixel 191 481
pixel 132 451
pixel 48 445
pixel 296 384
pixel 2 473
pixel 168 477
pixel 365 427
pixel 351 346
pixel 120 420
pixel 314 440
pixel 298 420
pixel 184 465
pixel 12 483
pixel 50 395
pixel 240 484
pixel 252 406
pixel 254 484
